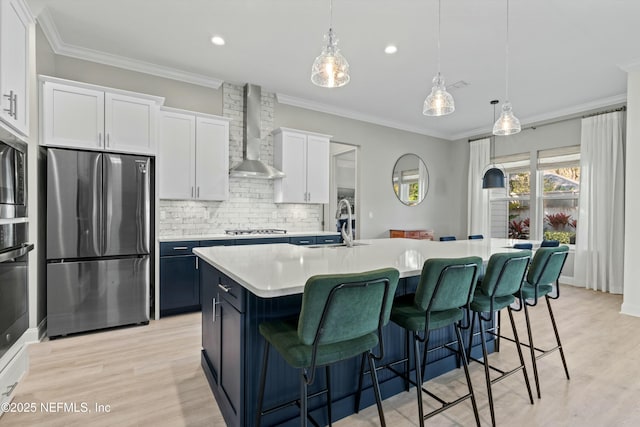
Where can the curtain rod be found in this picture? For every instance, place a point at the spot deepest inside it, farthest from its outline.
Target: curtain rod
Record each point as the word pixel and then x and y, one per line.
pixel 623 108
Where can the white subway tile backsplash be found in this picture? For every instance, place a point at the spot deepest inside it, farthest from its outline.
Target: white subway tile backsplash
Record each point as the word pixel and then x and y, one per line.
pixel 250 203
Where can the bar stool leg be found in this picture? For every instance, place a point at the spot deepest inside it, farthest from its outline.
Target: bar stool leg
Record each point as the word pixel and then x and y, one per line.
pixel 555 331
pixel 376 388
pixel 303 398
pixel 532 349
pixel 360 380
pixel 471 325
pixel 524 368
pixel 465 364
pixel 416 352
pixel 485 357
pixel 407 365
pixel 327 372
pixel 263 380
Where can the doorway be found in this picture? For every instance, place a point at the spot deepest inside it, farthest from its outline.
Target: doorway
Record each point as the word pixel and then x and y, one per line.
pixel 343 184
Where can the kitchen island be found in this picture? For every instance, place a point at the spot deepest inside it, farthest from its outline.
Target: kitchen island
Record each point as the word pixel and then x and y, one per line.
pixel 243 286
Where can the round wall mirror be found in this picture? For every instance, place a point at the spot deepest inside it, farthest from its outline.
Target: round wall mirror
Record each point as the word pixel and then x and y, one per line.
pixel 410 179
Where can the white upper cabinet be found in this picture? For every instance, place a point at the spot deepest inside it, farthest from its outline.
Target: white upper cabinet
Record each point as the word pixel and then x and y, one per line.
pixel 304 158
pixel 15 26
pixel 85 116
pixel 194 156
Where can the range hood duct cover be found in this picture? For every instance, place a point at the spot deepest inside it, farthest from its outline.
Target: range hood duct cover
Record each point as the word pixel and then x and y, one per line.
pixel 251 166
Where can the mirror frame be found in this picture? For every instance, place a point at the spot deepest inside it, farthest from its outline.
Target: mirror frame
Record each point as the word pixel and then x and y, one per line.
pixel 423 191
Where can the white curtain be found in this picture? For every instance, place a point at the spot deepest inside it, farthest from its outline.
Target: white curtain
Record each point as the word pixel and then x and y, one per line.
pixel 600 232
pixel 477 198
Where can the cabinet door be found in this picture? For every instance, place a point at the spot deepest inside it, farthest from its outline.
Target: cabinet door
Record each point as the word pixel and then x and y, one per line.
pixel 212 159
pixel 289 157
pixel 72 117
pixel 179 283
pixel 176 156
pixel 231 372
pixel 14 65
pixel 317 169
pixel 130 124
pixel 209 279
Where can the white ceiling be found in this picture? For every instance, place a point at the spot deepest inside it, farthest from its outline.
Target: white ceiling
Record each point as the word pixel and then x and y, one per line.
pixel 565 55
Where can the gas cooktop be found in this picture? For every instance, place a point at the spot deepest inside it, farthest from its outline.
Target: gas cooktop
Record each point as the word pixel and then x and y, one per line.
pixel 256 231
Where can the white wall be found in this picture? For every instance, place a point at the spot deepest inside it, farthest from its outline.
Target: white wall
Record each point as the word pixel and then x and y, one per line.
pixel 380 147
pixel 631 301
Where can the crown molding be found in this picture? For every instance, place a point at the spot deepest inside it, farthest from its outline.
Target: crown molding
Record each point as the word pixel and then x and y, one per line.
pixel 355 115
pixel 61 48
pixel 564 113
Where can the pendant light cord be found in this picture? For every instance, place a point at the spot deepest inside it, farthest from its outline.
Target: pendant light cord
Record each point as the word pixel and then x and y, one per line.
pixel 507 59
pixel 438 38
pixel 330 15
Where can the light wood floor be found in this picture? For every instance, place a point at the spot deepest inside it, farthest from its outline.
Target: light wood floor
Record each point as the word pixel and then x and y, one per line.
pixel 151 375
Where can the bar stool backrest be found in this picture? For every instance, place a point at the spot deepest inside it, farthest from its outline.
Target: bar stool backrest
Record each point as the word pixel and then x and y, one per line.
pixel 505 273
pixel 341 307
pixel 447 283
pixel 547 265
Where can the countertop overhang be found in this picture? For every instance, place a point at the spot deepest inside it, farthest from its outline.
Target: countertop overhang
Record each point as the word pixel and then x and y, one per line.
pixel 275 270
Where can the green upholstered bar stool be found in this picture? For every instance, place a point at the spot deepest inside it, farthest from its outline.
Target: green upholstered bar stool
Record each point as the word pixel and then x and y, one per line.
pixel 444 290
pixel 502 279
pixel 342 316
pixel 542 278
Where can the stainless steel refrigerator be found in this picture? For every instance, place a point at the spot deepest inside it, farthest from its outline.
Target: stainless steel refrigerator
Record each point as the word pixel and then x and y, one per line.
pixel 99 223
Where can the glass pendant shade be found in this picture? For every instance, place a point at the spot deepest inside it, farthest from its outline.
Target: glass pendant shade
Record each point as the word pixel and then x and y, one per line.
pixel 493 178
pixel 507 123
pixel 439 102
pixel 330 68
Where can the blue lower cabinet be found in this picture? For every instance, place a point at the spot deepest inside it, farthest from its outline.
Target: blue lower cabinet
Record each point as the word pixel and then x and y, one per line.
pixel 179 284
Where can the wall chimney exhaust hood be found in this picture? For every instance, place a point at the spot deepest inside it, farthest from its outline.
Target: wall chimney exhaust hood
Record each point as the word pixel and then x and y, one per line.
pixel 251 166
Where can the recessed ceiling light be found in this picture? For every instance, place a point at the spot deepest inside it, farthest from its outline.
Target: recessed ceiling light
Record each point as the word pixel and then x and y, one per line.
pixel 390 49
pixel 217 40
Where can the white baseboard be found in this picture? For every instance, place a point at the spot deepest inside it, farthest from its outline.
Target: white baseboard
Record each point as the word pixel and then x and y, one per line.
pixel 568 280
pixel 630 309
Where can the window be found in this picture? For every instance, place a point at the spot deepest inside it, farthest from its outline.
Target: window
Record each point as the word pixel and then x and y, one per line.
pixel 510 207
pixel 559 175
pixel 547 210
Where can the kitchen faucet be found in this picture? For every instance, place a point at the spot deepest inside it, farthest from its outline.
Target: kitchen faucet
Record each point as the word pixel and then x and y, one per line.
pixel 347 236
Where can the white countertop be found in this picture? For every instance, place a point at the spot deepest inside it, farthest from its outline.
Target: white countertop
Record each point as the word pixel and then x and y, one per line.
pixel 282 269
pixel 223 236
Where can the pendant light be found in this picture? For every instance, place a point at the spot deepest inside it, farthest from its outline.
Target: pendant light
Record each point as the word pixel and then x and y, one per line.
pixel 330 68
pixel 494 176
pixel 508 123
pixel 439 102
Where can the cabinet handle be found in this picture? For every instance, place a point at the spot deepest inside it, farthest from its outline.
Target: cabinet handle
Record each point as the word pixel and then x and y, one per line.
pixel 304 242
pixel 192 191
pixel 197 264
pixel 224 288
pixel 10 97
pixel 15 106
pixel 107 139
pixel 328 240
pixel 99 138
pixel 213 315
pixel 180 248
pixel 198 192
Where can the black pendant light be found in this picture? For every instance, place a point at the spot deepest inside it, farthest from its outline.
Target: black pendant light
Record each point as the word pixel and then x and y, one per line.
pixel 494 176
